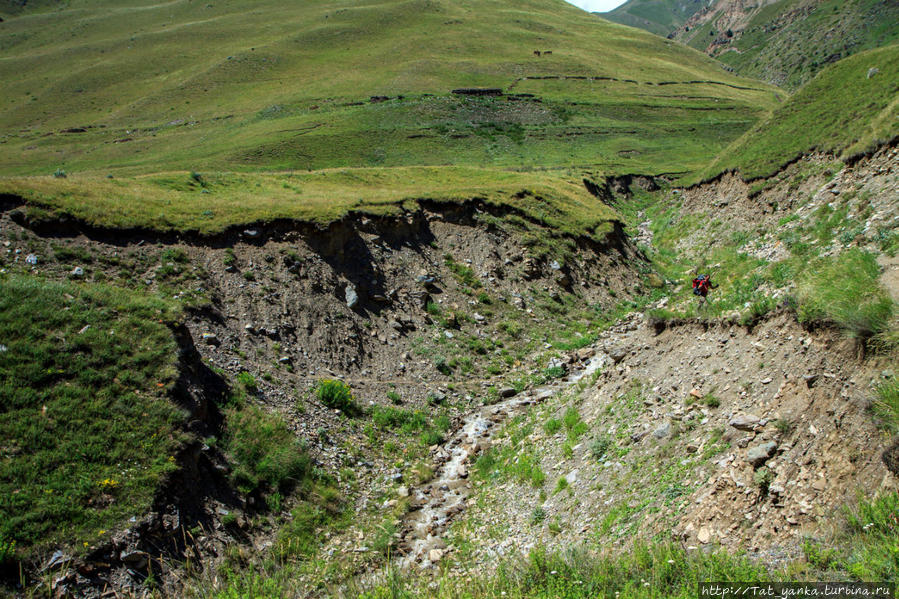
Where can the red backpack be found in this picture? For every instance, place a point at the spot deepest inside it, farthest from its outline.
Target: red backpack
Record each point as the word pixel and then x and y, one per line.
pixel 700 284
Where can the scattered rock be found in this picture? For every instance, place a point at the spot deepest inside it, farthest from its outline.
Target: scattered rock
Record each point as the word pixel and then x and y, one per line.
pixel 872 71
pixel 663 431
pixel 135 559
pixel 435 555
pixel 704 535
pixel 252 233
pixel 617 353
pixel 557 363
pixel 211 339
pixel 77 272
pixel 744 422
pixel 352 298
pixel 760 454
pixel 508 392
pixel 31 259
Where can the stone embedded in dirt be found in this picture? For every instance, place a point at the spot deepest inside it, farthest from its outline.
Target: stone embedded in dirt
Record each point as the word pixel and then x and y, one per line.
pixel 696 393
pixel 585 353
pixel 211 339
pixel 704 535
pixel 617 353
pixel 766 380
pixel 352 298
pixel 760 454
pixel 435 555
pixel 135 559
pixel 478 317
pixel 77 272
pixel 744 422
pixel 810 379
pixel 57 559
pixel 508 392
pixel 557 363
pixel 284 360
pixel 663 431
pixel 31 259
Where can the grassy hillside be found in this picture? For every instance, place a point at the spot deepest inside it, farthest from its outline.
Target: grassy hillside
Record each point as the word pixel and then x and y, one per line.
pixel 135 87
pixel 849 108
pixel 789 41
pixel 209 204
pixel 657 16
pixel 88 429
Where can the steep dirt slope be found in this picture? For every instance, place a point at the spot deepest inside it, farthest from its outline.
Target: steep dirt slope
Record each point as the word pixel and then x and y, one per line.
pixel 707 433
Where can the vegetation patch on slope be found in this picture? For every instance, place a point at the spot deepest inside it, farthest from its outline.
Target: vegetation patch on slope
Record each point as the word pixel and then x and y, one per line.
pixel 848 109
pixel 88 428
pixel 211 203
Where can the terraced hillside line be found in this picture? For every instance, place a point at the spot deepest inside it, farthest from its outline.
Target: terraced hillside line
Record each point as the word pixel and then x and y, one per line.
pixel 446 495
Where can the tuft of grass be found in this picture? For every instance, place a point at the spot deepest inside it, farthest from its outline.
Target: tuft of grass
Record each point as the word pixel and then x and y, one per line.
pixel 846 290
pixel 267 455
pixel 337 395
pixel 886 403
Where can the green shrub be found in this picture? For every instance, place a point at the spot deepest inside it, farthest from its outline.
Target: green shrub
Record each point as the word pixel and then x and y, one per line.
pixel 248 382
pixel 174 255
pixel 337 395
pixel 601 446
pixel 552 426
pixel 266 453
pixel 886 404
pixel 846 291
pixel 573 423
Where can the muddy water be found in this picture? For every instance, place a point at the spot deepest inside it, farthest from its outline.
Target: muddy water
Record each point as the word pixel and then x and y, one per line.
pixel 446 495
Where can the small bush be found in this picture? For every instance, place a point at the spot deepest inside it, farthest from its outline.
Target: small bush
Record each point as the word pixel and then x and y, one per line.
pixel 552 426
pixel 763 479
pixel 248 382
pixel 59 174
pixel 336 395
pixel 554 372
pixel 600 446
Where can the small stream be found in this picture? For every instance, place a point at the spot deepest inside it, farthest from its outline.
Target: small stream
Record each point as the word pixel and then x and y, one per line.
pixel 446 495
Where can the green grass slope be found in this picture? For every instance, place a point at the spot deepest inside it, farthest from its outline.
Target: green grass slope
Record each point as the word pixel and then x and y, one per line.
pixel 656 16
pixel 789 41
pixel 209 204
pixel 848 109
pixel 88 431
pixel 132 86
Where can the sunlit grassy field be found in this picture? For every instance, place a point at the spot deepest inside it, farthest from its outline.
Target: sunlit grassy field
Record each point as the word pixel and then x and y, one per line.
pixel 137 87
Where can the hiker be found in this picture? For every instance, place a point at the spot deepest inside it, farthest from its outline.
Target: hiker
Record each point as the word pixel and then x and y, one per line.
pixel 701 286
